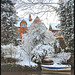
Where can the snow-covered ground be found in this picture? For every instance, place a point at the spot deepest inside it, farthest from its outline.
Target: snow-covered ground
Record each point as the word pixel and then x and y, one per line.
pixel 20 54
pixel 17 53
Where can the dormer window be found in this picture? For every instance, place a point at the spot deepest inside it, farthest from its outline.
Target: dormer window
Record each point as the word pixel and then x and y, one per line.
pixel 23 25
pixel 25 31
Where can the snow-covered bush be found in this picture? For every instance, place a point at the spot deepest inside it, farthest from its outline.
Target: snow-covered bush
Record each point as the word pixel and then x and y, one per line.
pixel 40 51
pixel 36 44
pixel 67 23
pixel 61 57
pixel 57 46
pixel 9 51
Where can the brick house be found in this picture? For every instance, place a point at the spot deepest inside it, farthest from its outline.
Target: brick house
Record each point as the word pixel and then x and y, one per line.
pixel 24 24
pixel 54 27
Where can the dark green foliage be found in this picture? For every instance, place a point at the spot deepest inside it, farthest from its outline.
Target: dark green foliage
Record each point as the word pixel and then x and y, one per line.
pixel 67 23
pixel 8 19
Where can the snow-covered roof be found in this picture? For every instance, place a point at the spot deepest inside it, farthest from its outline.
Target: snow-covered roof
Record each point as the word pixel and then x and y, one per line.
pixel 54 26
pixel 27 20
pixel 59 36
pixel 19 39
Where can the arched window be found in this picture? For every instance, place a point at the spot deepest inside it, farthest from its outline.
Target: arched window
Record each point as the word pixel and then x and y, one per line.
pixel 23 25
pixel 25 31
pixel 18 36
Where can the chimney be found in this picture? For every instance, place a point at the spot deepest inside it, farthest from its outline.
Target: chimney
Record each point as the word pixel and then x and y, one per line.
pixel 30 17
pixel 50 28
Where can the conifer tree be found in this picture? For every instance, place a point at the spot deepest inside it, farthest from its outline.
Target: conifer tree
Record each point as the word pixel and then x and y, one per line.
pixel 67 22
pixel 8 19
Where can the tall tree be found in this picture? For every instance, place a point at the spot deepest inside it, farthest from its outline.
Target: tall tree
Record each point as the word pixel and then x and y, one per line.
pixel 67 22
pixel 8 19
pixel 43 8
pixel 37 42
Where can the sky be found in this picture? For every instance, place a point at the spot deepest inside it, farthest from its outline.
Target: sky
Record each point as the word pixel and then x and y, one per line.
pixel 46 18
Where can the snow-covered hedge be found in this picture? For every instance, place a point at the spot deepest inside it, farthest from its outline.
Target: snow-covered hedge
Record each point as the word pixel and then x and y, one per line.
pixel 61 57
pixel 9 50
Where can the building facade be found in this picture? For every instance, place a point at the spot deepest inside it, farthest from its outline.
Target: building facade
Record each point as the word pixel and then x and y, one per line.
pixel 54 27
pixel 24 24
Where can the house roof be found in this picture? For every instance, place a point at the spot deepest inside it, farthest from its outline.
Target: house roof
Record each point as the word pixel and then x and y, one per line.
pixel 27 20
pixel 54 26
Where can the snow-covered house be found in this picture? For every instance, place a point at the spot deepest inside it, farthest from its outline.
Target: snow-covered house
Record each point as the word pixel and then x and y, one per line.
pixel 24 24
pixel 54 27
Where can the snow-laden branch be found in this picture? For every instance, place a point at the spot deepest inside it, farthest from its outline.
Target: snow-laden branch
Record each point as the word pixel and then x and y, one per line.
pixel 36 4
pixel 37 40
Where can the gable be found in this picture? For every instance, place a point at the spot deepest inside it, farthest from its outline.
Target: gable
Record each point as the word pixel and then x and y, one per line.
pixel 27 22
pixel 55 26
pixel 23 23
pixel 37 20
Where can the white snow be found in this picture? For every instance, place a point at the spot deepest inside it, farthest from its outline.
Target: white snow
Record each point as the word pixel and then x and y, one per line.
pixel 40 48
pixel 38 42
pixel 57 44
pixel 27 20
pixel 61 57
pixel 18 53
pixel 11 51
pixel 24 58
pixel 53 25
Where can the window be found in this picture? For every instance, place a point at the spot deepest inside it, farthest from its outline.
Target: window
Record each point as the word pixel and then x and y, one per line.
pixel 18 28
pixel 23 25
pixel 18 36
pixel 25 31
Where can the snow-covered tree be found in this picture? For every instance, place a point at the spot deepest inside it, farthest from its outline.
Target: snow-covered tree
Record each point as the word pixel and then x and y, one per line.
pixel 67 22
pixel 57 47
pixel 38 42
pixel 8 19
pixel 43 8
